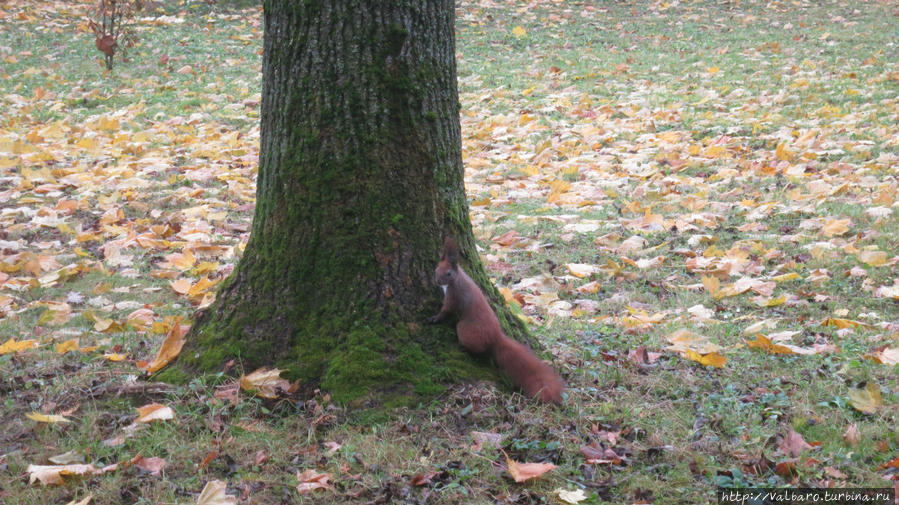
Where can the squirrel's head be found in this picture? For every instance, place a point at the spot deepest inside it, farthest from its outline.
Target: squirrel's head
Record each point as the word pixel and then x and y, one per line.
pixel 448 267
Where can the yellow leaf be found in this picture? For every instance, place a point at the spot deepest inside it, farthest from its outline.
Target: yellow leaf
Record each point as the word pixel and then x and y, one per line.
pixel 518 31
pixel 711 284
pixel 580 270
pixel 834 227
pixel 264 382
pixel 866 400
pixel 782 153
pixel 715 151
pixel 786 277
pixel 47 418
pixel 557 188
pixel 200 287
pixel 12 346
pixel 114 356
pixel 711 359
pixel 181 286
pixel 873 258
pixel 169 349
pixel 764 343
pixel 773 302
pixel 844 323
pixel 888 356
pixel 712 70
pixel 68 345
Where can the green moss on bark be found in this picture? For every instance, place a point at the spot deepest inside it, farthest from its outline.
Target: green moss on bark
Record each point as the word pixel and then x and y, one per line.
pixel 360 180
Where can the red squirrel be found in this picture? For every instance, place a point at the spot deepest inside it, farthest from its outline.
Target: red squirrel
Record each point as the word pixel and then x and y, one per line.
pixel 479 330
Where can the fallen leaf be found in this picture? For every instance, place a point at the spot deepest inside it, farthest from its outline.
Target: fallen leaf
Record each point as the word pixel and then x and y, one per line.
pixel 154 412
pixel 45 418
pixel 419 480
pixel 12 345
pixel 873 258
pixel 867 399
pixel 214 494
pixel 310 480
pixel 482 439
pixel 264 382
pixel 53 474
pixel 169 349
pixel 524 471
pixel 792 444
pixel 573 497
pixel 851 435
pixel 152 465
pixel 596 454
pixel 710 359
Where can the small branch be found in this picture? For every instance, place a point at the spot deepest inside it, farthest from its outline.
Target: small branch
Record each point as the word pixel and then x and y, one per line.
pixel 133 388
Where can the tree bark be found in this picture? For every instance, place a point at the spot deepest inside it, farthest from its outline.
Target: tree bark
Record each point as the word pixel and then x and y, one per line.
pixel 360 179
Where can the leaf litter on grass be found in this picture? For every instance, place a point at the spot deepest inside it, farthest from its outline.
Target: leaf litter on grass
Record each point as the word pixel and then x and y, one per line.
pixel 640 170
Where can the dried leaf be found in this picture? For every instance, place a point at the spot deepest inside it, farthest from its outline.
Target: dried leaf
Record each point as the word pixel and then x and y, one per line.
pixel 214 494
pixel 310 480
pixel 53 474
pixel 574 497
pixel 524 471
pixel 710 359
pixel 152 465
pixel 12 345
pixel 266 383
pixel 867 399
pixel 169 349
pixel 154 412
pixel 851 435
pixel 45 418
pixel 792 444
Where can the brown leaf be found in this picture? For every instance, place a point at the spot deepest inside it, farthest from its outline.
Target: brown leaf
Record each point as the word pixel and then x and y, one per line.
pixel 152 465
pixel 792 444
pixel 851 435
pixel 228 392
pixel 596 454
pixel 423 479
pixel 310 480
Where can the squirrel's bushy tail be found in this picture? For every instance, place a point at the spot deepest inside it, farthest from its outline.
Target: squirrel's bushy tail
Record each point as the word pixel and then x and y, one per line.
pixel 534 376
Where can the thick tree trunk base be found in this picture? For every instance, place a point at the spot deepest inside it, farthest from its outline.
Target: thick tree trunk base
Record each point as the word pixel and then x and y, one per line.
pixel 360 180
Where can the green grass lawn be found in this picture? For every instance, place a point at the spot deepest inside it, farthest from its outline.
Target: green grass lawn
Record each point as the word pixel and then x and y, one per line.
pixel 668 177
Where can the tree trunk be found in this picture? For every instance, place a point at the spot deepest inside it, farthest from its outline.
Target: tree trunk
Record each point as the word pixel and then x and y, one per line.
pixel 360 179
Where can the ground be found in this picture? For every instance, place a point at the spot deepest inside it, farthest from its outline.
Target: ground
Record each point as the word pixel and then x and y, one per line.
pixel 692 204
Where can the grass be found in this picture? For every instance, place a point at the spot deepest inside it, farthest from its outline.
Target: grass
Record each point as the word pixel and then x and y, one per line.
pixel 690 102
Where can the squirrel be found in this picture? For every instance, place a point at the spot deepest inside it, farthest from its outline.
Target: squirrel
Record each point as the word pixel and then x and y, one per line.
pixel 479 330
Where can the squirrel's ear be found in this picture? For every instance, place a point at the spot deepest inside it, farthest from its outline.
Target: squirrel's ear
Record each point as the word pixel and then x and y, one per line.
pixel 451 252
